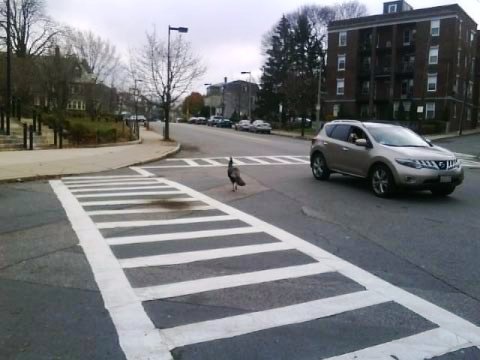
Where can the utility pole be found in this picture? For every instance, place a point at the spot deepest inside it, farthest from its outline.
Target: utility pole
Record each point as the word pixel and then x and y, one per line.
pixel 319 95
pixel 9 69
pixel 206 95
pixel 223 97
pixel 249 93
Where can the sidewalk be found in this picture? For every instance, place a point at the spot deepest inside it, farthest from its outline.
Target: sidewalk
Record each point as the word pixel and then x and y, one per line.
pixel 30 165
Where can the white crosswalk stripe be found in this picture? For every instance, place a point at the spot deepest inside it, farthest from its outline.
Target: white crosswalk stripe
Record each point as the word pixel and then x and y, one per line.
pixel 468 161
pixel 238 160
pixel 140 339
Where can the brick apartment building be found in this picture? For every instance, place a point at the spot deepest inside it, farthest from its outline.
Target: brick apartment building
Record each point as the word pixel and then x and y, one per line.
pixel 405 64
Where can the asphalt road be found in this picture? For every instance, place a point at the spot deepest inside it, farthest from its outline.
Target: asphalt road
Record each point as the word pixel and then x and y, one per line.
pixel 415 242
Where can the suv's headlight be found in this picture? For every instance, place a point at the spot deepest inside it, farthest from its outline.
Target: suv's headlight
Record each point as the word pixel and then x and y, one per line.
pixel 415 164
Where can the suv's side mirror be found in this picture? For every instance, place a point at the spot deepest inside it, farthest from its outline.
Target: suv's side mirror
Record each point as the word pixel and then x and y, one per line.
pixel 361 142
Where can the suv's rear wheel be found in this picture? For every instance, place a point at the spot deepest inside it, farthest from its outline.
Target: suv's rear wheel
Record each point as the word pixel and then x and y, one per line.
pixel 382 181
pixel 320 169
pixel 443 190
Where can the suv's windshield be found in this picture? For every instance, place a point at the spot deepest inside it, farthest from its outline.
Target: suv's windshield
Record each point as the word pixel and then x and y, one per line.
pixel 396 136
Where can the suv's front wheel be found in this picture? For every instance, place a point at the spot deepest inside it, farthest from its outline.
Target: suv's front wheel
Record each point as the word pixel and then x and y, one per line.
pixel 320 169
pixel 382 181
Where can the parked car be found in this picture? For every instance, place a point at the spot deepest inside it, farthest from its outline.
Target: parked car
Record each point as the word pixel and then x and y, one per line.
pixel 139 118
pixel 201 121
pixel 192 120
pixel 224 123
pixel 213 120
pixel 298 121
pixel 260 126
pixel 389 156
pixel 242 125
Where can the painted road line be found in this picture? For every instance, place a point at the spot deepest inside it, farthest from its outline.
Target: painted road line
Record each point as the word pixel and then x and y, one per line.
pixel 426 345
pixel 429 311
pixel 257 160
pixel 263 320
pixel 142 172
pixel 152 201
pixel 91 181
pixel 149 210
pixel 150 187
pixel 470 164
pixel 137 335
pixel 228 281
pixel 191 162
pixel 193 256
pixel 466 156
pixel 104 185
pixel 101 177
pixel 190 220
pixel 235 161
pixel 212 162
pixel 295 158
pixel 279 159
pixel 127 194
pixel 141 239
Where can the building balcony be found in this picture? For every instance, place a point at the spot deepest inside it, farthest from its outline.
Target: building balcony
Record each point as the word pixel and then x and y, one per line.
pixel 407 95
pixel 365 48
pixel 381 71
pixel 406 69
pixel 364 71
pixel 408 47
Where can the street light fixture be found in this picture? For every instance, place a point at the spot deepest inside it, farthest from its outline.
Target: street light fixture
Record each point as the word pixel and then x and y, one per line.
pixel 182 30
pixel 249 93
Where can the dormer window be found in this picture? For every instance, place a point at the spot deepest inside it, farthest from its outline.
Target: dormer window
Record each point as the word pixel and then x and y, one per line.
pixel 392 8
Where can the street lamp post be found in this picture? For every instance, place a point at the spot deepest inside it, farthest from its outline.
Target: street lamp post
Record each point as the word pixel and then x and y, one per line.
pixel 168 94
pixel 209 107
pixel 136 96
pixel 9 69
pixel 249 93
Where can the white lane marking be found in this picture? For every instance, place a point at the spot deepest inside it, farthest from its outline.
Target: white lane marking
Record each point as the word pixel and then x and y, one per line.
pixel 152 201
pixel 228 281
pixel 126 194
pixel 429 311
pixel 140 171
pixel 235 161
pixel 92 181
pixel 212 162
pixel 140 239
pixel 257 160
pixel 137 335
pixel 191 162
pixel 102 177
pixel 210 166
pixel 149 210
pixel 428 344
pixel 151 187
pixel 190 220
pixel 105 185
pixel 470 164
pixel 262 320
pixel 466 156
pixel 296 158
pixel 202 255
pixel 279 159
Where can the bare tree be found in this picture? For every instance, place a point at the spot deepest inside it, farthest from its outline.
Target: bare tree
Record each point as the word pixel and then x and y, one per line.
pixel 33 32
pixel 349 10
pixel 99 54
pixel 151 67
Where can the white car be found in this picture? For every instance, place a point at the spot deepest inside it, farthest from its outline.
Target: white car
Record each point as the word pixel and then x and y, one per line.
pixel 260 126
pixel 140 118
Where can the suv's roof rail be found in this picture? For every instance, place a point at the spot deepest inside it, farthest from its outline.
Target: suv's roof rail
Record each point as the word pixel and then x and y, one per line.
pixel 347 121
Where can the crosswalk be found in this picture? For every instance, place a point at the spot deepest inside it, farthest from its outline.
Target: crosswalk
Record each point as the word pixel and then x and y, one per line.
pixel 468 161
pixel 134 237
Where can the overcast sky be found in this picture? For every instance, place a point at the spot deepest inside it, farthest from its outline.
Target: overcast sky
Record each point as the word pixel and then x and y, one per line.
pixel 225 34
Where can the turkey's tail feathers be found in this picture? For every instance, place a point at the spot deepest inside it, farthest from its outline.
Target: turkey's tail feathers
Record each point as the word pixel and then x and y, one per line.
pixel 240 181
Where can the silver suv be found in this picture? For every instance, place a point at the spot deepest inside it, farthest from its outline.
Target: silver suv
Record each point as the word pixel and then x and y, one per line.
pixel 389 156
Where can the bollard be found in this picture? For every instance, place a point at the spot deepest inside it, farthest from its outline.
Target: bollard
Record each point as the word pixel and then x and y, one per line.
pixel 55 136
pixel 2 120
pixel 39 119
pixel 25 136
pixel 30 130
pixel 19 111
pixel 60 137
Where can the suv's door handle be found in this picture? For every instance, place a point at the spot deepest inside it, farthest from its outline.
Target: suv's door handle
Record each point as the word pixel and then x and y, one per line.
pixel 345 149
pixel 325 143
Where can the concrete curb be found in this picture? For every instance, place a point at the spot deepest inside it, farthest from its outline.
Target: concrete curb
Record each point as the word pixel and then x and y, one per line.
pixel 56 176
pixel 298 137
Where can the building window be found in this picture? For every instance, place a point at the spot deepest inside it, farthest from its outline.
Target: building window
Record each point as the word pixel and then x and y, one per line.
pixel 342 38
pixel 407 105
pixel 472 37
pixel 454 111
pixel 459 55
pixel 469 114
pixel 470 90
pixel 366 88
pixel 392 8
pixel 341 62
pixel 407 88
pixel 340 86
pixel 456 86
pixel 336 110
pixel 430 111
pixel 432 82
pixel 396 106
pixel 460 29
pixel 433 55
pixel 435 28
pixel 407 37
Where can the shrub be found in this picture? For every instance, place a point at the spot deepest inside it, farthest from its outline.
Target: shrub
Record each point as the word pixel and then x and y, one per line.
pixel 79 133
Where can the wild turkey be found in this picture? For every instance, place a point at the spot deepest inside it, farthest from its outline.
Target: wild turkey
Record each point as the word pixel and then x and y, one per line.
pixel 234 175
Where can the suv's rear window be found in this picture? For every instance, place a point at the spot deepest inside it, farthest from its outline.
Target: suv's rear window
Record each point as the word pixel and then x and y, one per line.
pixel 329 129
pixel 340 132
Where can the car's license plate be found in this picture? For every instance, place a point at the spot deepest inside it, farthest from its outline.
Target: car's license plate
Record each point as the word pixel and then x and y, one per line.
pixel 445 179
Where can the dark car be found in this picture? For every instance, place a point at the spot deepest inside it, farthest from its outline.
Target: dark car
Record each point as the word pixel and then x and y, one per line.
pixel 224 123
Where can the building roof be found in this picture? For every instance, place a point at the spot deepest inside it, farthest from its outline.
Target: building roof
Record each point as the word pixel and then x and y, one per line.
pixel 404 16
